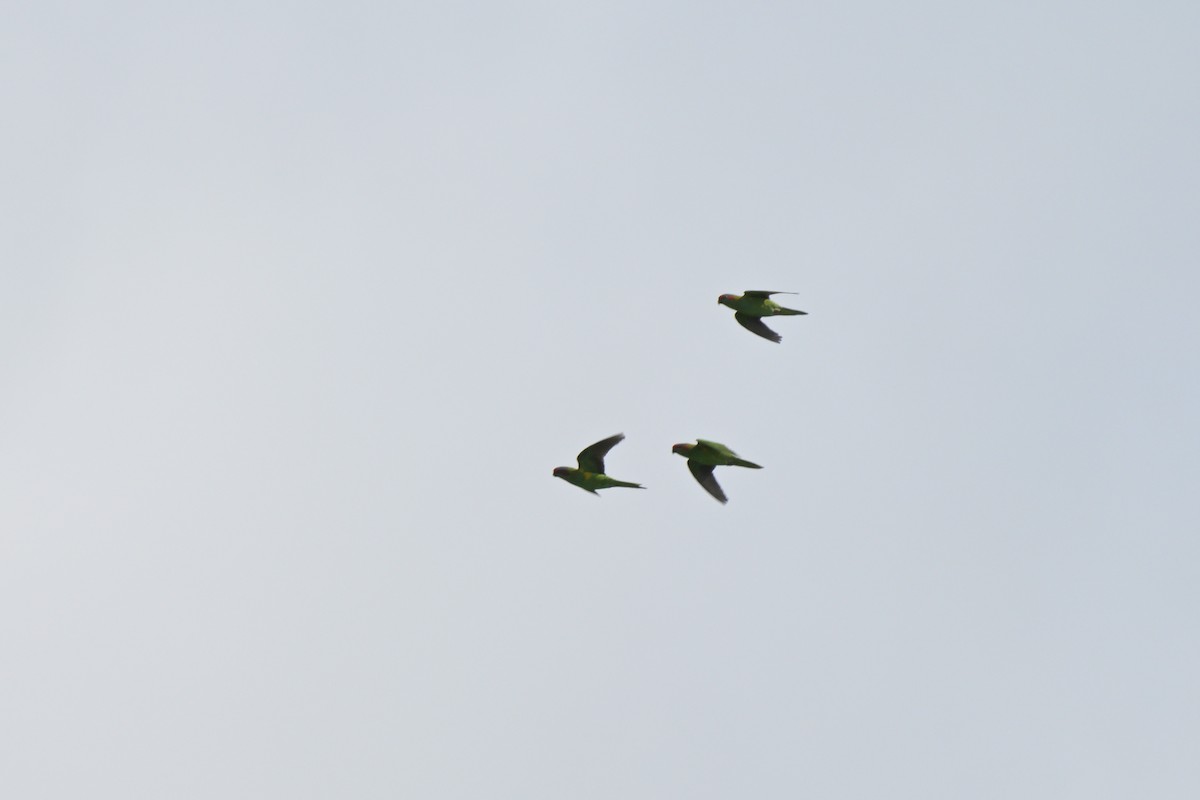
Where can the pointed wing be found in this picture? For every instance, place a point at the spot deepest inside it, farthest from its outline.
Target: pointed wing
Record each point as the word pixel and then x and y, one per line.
pixel 705 477
pixel 591 458
pixel 762 293
pixel 756 326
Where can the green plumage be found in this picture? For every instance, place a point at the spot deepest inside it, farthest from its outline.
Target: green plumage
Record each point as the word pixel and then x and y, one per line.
pixel 590 475
pixel 704 457
pixel 752 306
pixel 718 455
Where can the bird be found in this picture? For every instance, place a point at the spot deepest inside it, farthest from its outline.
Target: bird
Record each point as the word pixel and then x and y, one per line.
pixel 752 306
pixel 704 457
pixel 590 474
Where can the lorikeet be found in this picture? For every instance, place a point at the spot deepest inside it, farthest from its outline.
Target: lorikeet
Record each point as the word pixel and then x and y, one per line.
pixel 590 475
pixel 752 306
pixel 704 457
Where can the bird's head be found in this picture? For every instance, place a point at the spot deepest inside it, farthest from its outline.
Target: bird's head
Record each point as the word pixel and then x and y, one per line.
pixel 561 472
pixel 726 299
pixel 682 449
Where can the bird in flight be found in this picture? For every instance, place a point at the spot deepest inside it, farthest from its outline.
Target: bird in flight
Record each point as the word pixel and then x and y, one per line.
pixel 752 306
pixel 704 457
pixel 590 474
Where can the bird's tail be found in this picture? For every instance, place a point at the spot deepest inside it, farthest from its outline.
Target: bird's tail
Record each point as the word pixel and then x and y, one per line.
pixel 789 312
pixel 741 462
pixel 628 484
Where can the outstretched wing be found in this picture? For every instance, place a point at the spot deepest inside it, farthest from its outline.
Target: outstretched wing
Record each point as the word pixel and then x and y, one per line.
pixel 756 326
pixel 591 458
pixel 762 293
pixel 703 473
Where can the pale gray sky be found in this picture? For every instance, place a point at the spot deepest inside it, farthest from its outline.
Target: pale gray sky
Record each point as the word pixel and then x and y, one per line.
pixel 302 303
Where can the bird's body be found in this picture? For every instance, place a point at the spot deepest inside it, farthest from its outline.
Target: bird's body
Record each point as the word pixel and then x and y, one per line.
pixel 752 306
pixel 712 454
pixel 590 476
pixel 704 457
pixel 591 481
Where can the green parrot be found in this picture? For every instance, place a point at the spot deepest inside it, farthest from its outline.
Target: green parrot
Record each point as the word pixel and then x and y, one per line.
pixel 704 457
pixel 590 475
pixel 752 306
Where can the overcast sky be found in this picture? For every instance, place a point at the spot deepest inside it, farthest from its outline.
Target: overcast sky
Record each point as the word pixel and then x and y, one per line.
pixel 302 303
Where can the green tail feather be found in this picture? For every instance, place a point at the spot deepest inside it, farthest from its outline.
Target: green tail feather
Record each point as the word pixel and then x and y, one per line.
pixel 788 312
pixel 741 462
pixel 628 484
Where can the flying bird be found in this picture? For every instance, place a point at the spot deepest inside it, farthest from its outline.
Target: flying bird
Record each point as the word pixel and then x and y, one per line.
pixel 704 457
pixel 590 475
pixel 752 306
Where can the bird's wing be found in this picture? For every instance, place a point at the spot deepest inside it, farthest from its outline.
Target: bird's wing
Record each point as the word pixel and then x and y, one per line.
pixel 591 458
pixel 756 326
pixel 717 448
pixel 703 474
pixel 762 293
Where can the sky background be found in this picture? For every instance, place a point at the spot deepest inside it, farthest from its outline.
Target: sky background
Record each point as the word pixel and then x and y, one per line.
pixel 303 302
